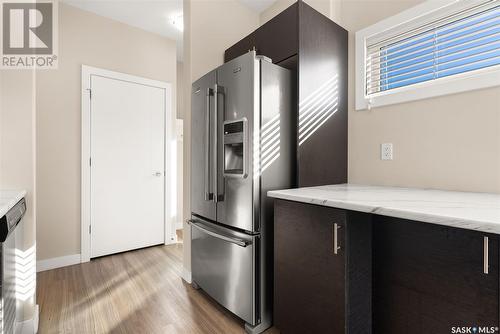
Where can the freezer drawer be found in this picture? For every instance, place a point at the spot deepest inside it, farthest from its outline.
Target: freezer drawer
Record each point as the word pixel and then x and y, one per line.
pixel 224 265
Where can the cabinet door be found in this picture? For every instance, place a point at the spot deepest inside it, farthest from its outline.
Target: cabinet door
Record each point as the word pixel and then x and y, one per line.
pixel 240 48
pixel 309 276
pixel 322 100
pixel 429 278
pixel 278 38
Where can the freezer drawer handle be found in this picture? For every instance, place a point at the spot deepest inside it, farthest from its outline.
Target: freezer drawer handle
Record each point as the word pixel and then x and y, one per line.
pixel 239 242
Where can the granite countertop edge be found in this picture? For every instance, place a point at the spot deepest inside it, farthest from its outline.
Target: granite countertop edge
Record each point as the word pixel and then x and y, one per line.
pixel 467 210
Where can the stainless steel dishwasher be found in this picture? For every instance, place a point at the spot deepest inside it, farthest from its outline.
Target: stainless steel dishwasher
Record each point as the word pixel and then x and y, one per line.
pixel 8 224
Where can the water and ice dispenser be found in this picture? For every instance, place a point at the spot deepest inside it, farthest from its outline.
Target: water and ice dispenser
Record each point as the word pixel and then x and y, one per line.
pixel 235 148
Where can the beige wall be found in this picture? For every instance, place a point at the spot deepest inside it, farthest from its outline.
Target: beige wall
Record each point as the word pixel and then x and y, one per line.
pixel 84 38
pixel 17 163
pixel 210 27
pixel 215 26
pixel 450 142
pixel 180 144
pixel 186 179
pixel 180 174
pixel 180 89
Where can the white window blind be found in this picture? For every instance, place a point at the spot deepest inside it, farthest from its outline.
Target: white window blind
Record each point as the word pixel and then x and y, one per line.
pixel 461 42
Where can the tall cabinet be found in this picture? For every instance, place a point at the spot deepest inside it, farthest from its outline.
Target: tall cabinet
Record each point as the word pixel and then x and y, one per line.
pixel 315 48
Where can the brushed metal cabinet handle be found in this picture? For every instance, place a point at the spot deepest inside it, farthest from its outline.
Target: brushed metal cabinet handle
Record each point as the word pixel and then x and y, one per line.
pixel 486 264
pixel 336 246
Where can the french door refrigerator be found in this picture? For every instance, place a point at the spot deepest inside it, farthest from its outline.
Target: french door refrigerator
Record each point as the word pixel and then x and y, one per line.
pixel 243 145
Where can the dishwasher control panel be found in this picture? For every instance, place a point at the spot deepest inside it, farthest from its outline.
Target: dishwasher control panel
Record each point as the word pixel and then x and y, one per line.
pixel 11 219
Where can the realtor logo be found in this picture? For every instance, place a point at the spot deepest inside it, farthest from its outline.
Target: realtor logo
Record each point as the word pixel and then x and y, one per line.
pixel 29 36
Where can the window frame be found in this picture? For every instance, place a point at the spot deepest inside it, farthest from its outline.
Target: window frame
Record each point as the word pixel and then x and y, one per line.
pixel 468 81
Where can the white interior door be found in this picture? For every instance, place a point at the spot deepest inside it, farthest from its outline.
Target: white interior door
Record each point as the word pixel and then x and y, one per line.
pixel 127 165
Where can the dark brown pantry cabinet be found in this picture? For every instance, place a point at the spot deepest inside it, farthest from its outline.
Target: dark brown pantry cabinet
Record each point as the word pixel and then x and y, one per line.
pixel 316 49
pixel 322 271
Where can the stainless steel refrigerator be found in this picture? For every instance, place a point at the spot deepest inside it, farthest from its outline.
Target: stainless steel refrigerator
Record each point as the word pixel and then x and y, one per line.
pixel 243 145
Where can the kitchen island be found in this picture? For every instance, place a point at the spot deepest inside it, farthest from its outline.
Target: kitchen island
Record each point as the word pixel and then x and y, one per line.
pixel 368 259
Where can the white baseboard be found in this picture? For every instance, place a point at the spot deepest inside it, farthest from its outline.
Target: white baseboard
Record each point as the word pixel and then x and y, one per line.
pixel 36 318
pixel 29 326
pixel 57 262
pixel 186 275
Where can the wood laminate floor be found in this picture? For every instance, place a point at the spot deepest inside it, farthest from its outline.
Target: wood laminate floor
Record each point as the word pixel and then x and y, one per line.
pixel 134 292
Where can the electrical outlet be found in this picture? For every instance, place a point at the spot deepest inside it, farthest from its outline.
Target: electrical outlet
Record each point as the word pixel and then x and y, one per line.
pixel 386 151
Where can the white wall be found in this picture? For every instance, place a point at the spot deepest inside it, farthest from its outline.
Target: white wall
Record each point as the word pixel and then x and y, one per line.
pixel 84 38
pixel 17 168
pixel 210 27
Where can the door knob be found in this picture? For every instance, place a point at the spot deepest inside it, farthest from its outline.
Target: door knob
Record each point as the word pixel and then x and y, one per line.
pixel 157 174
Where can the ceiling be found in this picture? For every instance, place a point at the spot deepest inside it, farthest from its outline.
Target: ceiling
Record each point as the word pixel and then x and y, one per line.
pixel 150 15
pixel 258 5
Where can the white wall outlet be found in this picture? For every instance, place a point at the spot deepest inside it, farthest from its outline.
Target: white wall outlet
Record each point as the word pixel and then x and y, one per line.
pixel 386 151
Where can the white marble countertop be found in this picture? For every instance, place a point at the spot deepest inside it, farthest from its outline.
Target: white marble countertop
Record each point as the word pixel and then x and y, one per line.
pixel 472 211
pixel 9 198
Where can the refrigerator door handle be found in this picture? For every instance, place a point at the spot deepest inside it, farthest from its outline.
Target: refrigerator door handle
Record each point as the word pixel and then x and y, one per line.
pixel 208 194
pixel 236 241
pixel 218 197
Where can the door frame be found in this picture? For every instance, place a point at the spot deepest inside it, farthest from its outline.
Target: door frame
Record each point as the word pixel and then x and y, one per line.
pixel 170 184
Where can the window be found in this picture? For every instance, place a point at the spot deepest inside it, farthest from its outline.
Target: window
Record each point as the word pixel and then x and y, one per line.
pixel 439 51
